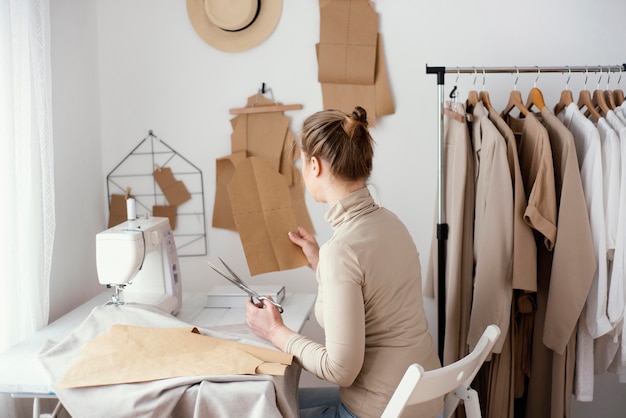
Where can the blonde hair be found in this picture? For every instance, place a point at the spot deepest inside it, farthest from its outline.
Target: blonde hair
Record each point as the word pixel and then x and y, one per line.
pixel 341 139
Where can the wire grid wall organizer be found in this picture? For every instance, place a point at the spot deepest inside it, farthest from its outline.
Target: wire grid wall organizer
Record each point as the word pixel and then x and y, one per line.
pixel 135 171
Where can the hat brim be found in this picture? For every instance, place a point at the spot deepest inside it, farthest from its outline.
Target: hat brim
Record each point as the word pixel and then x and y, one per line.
pixel 226 41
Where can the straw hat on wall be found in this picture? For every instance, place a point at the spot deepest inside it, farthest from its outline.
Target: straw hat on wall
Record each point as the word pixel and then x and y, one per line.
pixel 234 25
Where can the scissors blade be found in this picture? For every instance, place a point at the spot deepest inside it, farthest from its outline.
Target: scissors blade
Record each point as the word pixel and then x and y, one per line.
pixel 233 281
pixel 235 276
pixel 241 282
pixel 251 292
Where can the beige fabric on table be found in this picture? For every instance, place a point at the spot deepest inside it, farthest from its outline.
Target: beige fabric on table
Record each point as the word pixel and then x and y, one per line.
pixel 459 215
pixel 204 396
pixel 371 309
pixel 129 354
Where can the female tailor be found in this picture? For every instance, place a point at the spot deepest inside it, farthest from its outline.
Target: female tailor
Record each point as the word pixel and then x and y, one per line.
pixel 369 276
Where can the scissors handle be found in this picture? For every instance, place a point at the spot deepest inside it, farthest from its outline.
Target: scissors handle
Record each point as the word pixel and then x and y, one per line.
pixel 240 284
pixel 278 305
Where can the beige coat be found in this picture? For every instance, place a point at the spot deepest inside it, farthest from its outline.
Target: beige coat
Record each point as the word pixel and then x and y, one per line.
pixel 495 382
pixel 493 231
pixel 564 279
pixel 459 215
pixel 524 248
pixel 536 166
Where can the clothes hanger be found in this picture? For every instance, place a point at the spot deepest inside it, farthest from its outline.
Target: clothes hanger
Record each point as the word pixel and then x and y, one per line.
pixel 515 101
pixel 449 110
pixel 276 107
pixel 608 94
pixel 598 98
pixel 584 100
pixel 618 94
pixel 484 96
pixel 566 96
pixel 472 96
pixel 535 97
pixel 609 99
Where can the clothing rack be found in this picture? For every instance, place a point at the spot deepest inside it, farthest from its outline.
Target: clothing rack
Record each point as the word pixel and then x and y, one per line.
pixel 442 226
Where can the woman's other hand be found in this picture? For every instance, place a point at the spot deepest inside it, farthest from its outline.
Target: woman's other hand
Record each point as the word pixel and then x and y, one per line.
pixel 308 243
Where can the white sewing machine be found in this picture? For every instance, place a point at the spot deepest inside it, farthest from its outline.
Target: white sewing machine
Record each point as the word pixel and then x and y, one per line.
pixel 138 259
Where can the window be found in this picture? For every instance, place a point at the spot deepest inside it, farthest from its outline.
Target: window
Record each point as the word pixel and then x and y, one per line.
pixel 26 169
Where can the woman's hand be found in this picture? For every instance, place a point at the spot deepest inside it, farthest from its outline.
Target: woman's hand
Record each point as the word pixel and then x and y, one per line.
pixel 266 322
pixel 309 245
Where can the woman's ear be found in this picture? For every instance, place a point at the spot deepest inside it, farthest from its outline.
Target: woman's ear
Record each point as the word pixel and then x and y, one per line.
pixel 316 166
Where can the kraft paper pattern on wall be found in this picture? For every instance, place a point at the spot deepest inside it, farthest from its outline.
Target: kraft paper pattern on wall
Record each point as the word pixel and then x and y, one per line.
pixel 135 174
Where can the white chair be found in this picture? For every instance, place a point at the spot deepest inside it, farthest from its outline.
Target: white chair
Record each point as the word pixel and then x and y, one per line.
pixel 452 381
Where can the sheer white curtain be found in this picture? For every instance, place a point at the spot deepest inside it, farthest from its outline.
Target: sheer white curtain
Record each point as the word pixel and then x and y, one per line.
pixel 26 169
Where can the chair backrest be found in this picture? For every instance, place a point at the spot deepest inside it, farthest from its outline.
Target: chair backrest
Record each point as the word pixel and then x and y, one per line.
pixel 451 381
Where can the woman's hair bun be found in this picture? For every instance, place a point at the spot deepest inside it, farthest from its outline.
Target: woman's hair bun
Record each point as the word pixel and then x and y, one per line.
pixel 360 115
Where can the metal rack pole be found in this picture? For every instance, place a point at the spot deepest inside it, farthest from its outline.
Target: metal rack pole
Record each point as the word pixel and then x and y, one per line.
pixel 442 226
pixel 521 70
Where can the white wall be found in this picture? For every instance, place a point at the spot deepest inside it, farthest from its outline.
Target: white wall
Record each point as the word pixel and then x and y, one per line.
pixel 124 67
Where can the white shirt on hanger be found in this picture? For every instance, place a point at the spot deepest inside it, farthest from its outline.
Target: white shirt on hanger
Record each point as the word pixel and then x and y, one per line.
pixel 611 166
pixel 620 112
pixel 621 109
pixel 594 320
pixel 589 153
pixel 616 297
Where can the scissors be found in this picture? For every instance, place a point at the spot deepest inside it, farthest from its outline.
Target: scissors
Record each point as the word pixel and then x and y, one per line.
pixel 234 278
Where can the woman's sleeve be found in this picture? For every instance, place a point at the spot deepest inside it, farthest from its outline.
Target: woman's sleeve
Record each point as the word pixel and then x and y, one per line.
pixel 339 361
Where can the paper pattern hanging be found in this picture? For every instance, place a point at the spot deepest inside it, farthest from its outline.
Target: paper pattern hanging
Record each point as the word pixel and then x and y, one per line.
pixel 259 193
pixel 351 60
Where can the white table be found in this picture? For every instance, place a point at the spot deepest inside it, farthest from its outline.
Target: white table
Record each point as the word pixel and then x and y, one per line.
pixel 21 374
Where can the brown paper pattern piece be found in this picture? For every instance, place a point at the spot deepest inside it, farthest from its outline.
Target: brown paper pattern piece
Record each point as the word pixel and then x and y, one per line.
pixel 224 170
pixel 174 190
pixel 128 354
pixel 376 99
pixel 117 213
pixel 348 37
pixel 263 134
pixel 264 214
pixel 166 212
